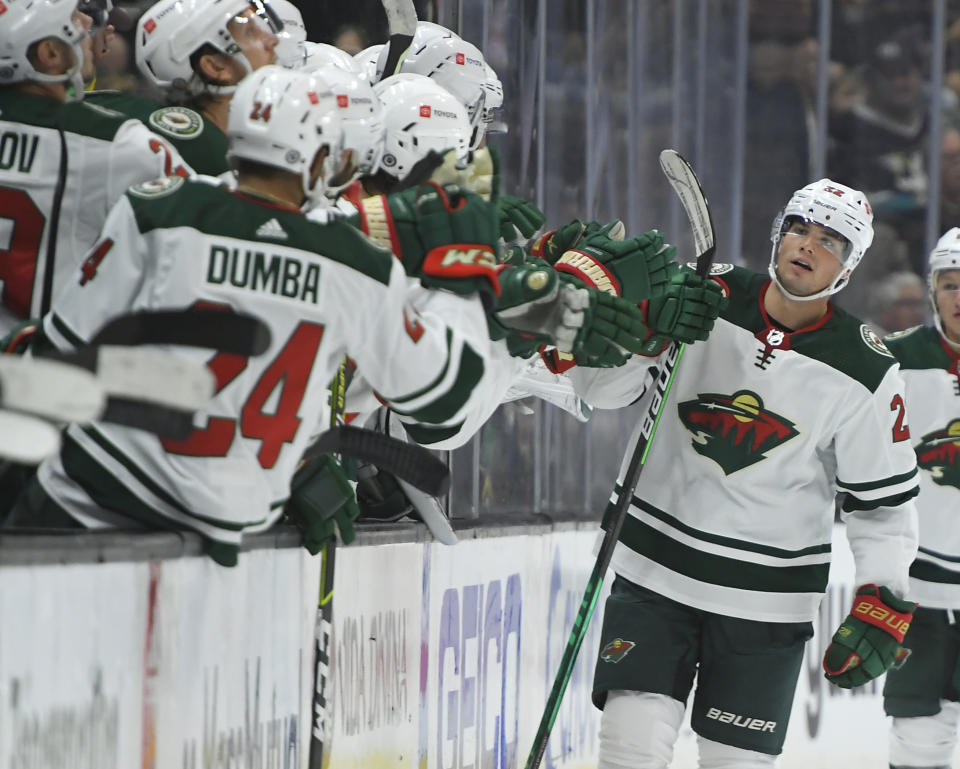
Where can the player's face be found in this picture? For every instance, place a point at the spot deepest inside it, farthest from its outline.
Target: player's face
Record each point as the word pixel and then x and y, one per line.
pixel 947 296
pixel 810 258
pixel 255 39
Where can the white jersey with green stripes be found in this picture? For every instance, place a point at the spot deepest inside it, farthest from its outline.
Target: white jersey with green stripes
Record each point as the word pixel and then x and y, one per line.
pixel 930 370
pixel 761 429
pixel 325 291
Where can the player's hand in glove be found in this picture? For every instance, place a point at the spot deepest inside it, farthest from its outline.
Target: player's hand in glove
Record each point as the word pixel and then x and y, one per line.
pixel 321 503
pixel 518 217
pixel 553 244
pixel 687 308
pixel 868 643
pixel 636 268
pixel 539 306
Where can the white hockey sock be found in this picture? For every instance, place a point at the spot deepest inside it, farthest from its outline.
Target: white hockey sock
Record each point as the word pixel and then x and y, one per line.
pixel 638 730
pixel 925 741
pixel 716 755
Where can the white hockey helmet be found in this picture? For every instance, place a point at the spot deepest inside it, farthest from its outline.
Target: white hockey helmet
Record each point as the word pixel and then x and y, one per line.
pixel 361 116
pixel 494 99
pixel 419 115
pixel 456 65
pixel 945 256
pixel 25 22
pixel 317 55
pixel 366 61
pixel 290 39
pixel 833 205
pixel 171 31
pixel 281 118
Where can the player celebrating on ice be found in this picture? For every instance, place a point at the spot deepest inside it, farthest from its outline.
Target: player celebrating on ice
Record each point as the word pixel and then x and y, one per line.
pixel 922 695
pixel 724 554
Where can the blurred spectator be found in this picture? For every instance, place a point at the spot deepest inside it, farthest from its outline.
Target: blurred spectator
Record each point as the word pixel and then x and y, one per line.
pixel 949 179
pixel 115 67
pixel 899 302
pixel 879 145
pixel 351 38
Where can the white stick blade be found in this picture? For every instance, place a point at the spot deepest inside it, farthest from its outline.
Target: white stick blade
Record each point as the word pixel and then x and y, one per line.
pixel 54 390
pixel 685 183
pixel 155 376
pixel 25 439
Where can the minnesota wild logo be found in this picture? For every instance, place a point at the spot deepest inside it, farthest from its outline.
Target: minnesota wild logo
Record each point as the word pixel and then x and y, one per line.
pixel 735 431
pixel 939 453
pixel 616 650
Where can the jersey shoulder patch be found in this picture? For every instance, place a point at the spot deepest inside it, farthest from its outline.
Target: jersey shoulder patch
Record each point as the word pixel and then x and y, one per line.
pixel 717 268
pixel 157 188
pixel 873 341
pixel 176 122
pixel 901 334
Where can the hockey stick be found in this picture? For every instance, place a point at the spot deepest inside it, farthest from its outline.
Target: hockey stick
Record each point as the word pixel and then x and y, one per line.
pixel 401 25
pixel 407 461
pixel 215 329
pixel 685 183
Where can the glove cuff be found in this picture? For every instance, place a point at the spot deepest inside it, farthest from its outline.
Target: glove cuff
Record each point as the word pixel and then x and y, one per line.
pixel 537 247
pixel 869 607
pixel 589 270
pixel 376 221
pixel 460 260
pixel 557 362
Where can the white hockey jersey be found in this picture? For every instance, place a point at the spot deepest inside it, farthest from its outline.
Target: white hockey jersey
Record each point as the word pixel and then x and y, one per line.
pixel 930 370
pixel 325 292
pixel 735 505
pixel 105 152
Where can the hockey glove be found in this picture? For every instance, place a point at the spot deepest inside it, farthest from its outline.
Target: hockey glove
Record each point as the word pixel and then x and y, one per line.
pixel 868 643
pixel 613 331
pixel 636 269
pixel 445 232
pixel 321 503
pixel 518 218
pixel 553 244
pixel 687 308
pixel 481 175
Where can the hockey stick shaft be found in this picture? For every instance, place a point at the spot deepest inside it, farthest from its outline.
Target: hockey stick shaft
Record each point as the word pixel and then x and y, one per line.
pixel 407 461
pixel 685 183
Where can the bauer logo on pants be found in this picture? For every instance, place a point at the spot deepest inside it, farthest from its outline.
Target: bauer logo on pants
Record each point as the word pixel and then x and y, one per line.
pixel 616 650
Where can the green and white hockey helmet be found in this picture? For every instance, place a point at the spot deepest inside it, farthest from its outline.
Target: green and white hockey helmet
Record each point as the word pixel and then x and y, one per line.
pixel 455 64
pixel 316 55
pixel 835 206
pixel 419 115
pixel 26 22
pixel 366 62
pixel 170 32
pixel 361 116
pixel 292 35
pixel 282 118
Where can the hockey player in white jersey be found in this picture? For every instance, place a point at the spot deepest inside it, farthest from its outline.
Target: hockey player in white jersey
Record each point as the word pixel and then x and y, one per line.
pixel 725 550
pixel 324 290
pixel 72 161
pixel 923 695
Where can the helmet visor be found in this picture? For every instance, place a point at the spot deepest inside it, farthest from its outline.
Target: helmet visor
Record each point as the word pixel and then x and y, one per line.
pixel 822 236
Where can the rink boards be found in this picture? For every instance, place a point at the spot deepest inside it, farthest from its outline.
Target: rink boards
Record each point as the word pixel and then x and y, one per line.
pixel 442 659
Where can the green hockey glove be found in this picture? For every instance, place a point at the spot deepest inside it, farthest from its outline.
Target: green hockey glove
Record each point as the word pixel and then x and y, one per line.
pixel 421 225
pixel 613 331
pixel 636 269
pixel 687 308
pixel 868 643
pixel 321 503
pixel 518 217
pixel 553 244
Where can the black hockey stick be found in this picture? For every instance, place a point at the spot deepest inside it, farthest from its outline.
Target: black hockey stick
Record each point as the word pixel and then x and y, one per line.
pixel 407 461
pixel 215 329
pixel 685 183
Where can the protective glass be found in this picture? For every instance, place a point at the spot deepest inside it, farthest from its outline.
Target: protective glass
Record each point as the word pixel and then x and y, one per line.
pixel 830 241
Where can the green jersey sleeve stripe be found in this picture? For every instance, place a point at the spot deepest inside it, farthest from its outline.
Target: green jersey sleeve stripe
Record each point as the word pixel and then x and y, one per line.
pixel 447 405
pixel 68 333
pixel 893 480
pixel 720 570
pixel 716 539
pixel 434 383
pixel 427 434
pixel 854 504
pixel 929 572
